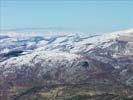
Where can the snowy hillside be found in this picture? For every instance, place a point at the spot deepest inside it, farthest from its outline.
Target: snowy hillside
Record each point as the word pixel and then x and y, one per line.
pixel 66 58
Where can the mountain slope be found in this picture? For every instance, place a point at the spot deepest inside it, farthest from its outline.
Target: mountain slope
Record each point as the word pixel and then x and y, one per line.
pixel 101 61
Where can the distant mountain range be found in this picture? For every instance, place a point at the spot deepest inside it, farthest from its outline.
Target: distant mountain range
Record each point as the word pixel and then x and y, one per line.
pixel 38 29
pixel 70 64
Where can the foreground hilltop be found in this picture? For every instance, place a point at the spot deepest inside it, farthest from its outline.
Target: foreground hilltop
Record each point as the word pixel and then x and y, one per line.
pixel 69 65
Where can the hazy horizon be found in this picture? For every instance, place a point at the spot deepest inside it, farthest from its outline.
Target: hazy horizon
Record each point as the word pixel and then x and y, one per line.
pixel 74 16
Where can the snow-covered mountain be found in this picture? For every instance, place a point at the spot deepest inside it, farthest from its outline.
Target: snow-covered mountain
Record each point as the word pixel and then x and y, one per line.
pixel 66 58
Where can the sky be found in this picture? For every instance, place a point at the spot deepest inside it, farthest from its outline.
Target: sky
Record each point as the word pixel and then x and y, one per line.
pixel 90 16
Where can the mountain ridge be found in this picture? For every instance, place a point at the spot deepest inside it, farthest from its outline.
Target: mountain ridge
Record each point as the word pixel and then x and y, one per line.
pixel 73 59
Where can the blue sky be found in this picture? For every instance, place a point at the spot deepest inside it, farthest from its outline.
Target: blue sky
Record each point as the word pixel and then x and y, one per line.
pixel 76 15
